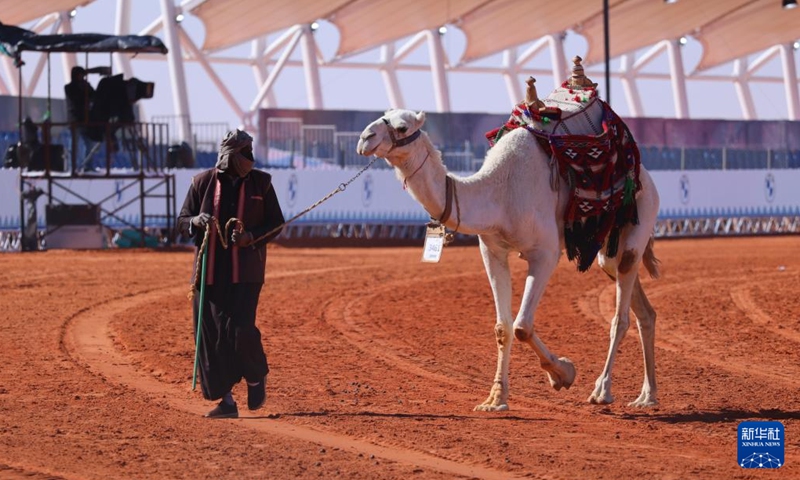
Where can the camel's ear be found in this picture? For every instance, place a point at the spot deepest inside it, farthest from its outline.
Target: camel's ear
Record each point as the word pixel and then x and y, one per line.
pixel 420 118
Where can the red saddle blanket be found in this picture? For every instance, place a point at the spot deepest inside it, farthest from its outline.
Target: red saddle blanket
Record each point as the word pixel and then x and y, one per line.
pixel 602 172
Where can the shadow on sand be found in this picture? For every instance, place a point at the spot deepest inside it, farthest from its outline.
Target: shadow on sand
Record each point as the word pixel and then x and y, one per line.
pixel 719 416
pixel 412 416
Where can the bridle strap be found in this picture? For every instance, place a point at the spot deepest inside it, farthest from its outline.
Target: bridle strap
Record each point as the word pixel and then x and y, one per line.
pixel 402 141
pixel 448 199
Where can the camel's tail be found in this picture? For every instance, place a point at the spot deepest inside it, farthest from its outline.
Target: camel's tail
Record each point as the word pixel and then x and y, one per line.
pixel 650 261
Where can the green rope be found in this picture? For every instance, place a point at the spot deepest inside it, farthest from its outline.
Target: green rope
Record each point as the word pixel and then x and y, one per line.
pixel 627 195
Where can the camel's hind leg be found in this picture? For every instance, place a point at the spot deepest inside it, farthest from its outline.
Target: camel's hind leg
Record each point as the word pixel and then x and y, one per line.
pixel 635 245
pixel 495 259
pixel 646 320
pixel 619 324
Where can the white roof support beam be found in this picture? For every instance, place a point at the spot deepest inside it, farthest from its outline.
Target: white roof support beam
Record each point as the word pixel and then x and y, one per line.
pixel 649 56
pixel 259 68
pixel 308 49
pixel 4 87
pixel 68 60
pixel 288 36
pixel 180 97
pixel 12 75
pixel 273 75
pixel 762 60
pixel 790 81
pixel 532 51
pixel 557 58
pixel 511 75
pixel 678 78
pixel 40 64
pixel 122 26
pixel 45 22
pixel 389 75
pixel 153 28
pixel 630 87
pixel 195 52
pixel 408 47
pixel 441 88
pixel 743 89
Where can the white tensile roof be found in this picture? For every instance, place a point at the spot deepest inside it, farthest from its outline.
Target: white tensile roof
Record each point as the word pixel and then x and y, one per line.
pixel 728 29
pixel 17 12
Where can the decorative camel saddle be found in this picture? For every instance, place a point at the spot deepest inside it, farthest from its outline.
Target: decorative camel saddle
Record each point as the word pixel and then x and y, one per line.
pixel 602 170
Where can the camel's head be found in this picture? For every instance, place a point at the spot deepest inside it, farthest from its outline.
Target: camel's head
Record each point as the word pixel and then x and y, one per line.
pixel 395 129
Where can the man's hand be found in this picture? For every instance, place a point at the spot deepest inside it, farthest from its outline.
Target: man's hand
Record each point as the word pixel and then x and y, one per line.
pixel 242 238
pixel 201 220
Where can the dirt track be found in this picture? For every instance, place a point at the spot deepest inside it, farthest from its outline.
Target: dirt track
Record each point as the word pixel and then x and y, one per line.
pixel 377 361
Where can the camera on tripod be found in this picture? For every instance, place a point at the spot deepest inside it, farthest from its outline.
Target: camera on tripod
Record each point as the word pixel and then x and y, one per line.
pixel 113 102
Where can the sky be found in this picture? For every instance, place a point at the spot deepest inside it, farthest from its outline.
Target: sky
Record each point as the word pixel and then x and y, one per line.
pixel 345 89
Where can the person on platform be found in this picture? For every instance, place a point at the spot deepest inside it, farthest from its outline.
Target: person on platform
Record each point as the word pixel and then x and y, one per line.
pixel 80 94
pixel 230 344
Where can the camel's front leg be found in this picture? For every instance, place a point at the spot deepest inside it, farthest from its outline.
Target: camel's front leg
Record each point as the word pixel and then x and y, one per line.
pixel 495 259
pixel 560 371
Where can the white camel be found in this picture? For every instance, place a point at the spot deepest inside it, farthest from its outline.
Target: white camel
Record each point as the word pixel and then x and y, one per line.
pixel 512 208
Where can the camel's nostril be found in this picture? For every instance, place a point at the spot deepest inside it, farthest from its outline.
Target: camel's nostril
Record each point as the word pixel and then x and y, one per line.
pixel 367 135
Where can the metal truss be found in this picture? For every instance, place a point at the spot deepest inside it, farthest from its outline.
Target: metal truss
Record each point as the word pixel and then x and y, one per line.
pixel 726 226
pixel 268 60
pixel 406 233
pixel 365 231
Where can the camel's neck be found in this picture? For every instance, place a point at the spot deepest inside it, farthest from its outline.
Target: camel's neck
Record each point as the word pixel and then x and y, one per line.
pixel 424 175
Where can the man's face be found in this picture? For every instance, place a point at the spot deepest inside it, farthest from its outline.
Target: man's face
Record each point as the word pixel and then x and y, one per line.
pixel 247 152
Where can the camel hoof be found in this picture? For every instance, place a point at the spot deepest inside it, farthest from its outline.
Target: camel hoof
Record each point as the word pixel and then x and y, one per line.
pixel 521 335
pixel 563 375
pixel 491 408
pixel 601 398
pixel 644 402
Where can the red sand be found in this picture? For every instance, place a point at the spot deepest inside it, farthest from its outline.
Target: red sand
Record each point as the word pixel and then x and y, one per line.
pixel 378 360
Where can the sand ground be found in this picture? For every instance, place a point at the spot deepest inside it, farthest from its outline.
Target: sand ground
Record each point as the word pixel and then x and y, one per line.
pixel 377 361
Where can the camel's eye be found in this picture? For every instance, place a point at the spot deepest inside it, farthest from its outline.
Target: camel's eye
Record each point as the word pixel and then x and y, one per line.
pixel 402 129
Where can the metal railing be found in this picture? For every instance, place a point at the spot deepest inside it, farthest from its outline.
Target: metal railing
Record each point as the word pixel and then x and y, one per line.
pixel 291 144
pixel 71 148
pixel 205 135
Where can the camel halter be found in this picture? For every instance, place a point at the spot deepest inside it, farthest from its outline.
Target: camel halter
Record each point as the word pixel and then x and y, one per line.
pixel 402 141
pixel 450 186
pixel 450 193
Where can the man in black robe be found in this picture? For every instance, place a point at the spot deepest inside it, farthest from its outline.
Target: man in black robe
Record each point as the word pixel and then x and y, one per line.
pixel 230 344
pixel 80 96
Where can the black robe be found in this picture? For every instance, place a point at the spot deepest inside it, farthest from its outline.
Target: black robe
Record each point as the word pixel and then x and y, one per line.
pixel 230 343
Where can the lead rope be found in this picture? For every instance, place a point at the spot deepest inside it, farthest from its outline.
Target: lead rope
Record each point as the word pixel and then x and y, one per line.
pixel 223 238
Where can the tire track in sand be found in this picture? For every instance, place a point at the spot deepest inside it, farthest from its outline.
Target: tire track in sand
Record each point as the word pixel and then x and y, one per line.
pixel 15 472
pixel 598 303
pixel 87 340
pixel 745 302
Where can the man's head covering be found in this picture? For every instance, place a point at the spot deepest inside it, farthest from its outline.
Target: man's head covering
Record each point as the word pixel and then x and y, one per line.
pixel 236 153
pixel 77 73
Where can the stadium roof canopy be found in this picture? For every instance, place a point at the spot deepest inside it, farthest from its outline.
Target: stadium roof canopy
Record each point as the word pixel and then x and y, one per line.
pixel 16 12
pixel 728 29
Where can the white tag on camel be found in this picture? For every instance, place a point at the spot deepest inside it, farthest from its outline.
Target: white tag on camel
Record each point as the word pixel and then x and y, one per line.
pixel 434 243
